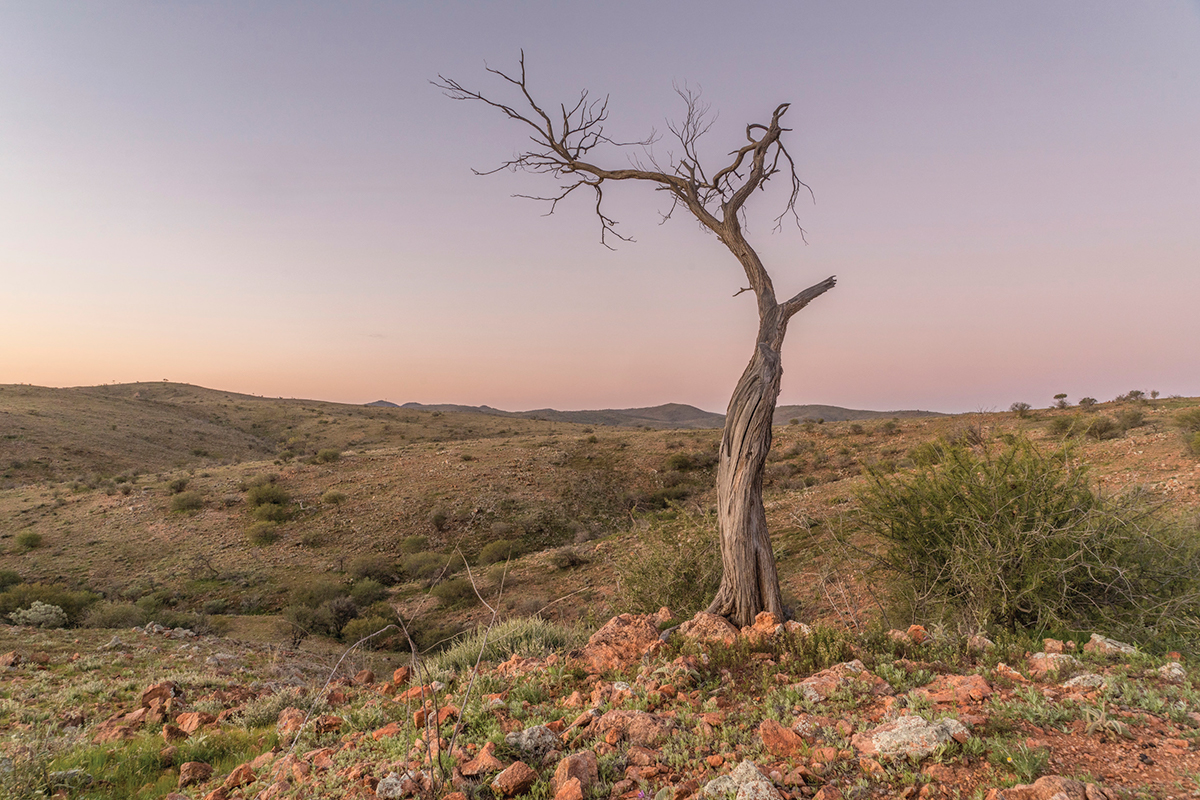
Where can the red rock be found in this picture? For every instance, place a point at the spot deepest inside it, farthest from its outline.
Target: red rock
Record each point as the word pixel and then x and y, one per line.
pixel 519 665
pixel 192 721
pixel 1052 646
pixel 828 793
pixel 194 772
pixel 241 776
pixel 328 723
pixel 636 727
pixel 482 763
pixel 581 767
pixel 820 686
pixel 570 790
pixel 290 721
pixel 10 659
pixel 1044 788
pixel 455 796
pixel 1102 645
pixel 1005 671
pixel 619 643
pixel 276 790
pixel 162 692
pixel 217 794
pixel 705 627
pixel 262 760
pixel 517 779
pixel 779 741
pixel 956 689
pixel 401 676
pixel 714 761
pixel 389 730
pixel 364 677
pixel 415 693
pixel 918 634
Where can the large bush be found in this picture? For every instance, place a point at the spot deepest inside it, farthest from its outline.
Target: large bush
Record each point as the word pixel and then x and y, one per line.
pixel 1018 537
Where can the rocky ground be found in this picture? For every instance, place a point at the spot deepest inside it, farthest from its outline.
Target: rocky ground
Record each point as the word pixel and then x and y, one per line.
pixel 774 711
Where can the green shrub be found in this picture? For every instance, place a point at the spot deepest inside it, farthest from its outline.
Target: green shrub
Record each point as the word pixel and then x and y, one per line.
pixel 186 502
pixel 267 494
pixel 1194 444
pixel 1018 538
pixel 676 563
pixel 23 595
pixel 1020 409
pixel 29 540
pixel 271 512
pixel 427 565
pixel 414 544
pixel 263 533
pixel 332 615
pixel 333 497
pixel 455 593
pixel 1131 418
pixel 327 455
pixel 1065 426
pixel 1189 420
pixel 375 566
pixel 567 557
pixel 367 591
pixel 1103 428
pixel 178 485
pixel 500 550
pixel 439 519
pixel 8 578
pixel 365 626
pixel 114 615
pixel 1087 403
pixel 315 591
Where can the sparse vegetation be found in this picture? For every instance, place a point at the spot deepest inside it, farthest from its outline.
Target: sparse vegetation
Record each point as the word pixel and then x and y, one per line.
pixel 29 540
pixel 677 564
pixel 187 502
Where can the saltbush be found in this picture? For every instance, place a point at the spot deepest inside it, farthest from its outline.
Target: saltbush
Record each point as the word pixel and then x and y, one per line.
pixel 263 533
pixel 333 497
pixel 428 565
pixel 23 595
pixel 376 566
pixel 1017 537
pixel 455 593
pixel 40 615
pixel 29 540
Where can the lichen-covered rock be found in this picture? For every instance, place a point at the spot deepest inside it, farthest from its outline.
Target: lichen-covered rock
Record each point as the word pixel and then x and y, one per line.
pixel 1044 664
pixel 395 785
pixel 1173 672
pixel 1103 646
pixel 745 781
pixel 908 737
pixel 534 742
pixel 1087 680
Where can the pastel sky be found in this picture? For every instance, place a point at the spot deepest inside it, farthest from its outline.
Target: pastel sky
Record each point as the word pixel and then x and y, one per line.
pixel 272 198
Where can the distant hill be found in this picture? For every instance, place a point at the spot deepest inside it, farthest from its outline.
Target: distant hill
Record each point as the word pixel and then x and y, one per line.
pixel 672 415
pixel 785 414
pixel 383 404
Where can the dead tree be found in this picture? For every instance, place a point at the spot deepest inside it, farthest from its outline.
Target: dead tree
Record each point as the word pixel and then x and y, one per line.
pixel 563 142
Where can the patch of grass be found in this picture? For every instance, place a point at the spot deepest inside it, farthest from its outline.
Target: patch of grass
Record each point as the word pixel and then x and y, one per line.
pixel 29 540
pixel 333 497
pixel 526 636
pixel 676 563
pixel 187 502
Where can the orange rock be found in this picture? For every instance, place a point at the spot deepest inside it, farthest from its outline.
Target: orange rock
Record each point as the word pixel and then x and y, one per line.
pixel 482 763
pixel 192 721
pixel 401 676
pixel 364 677
pixel 241 776
pixel 581 767
pixel 779 741
pixel 918 634
pixel 290 720
pixel 956 689
pixel 160 691
pixel 391 729
pixel 570 790
pixel 714 761
pixel 705 627
pixel 620 642
pixel 517 779
pixel 636 727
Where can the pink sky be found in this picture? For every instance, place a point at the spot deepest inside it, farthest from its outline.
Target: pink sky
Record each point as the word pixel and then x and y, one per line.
pixel 271 198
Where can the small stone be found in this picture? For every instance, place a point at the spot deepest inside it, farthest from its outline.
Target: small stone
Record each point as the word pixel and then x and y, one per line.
pixel 484 762
pixel 364 677
pixel 779 741
pixel 1173 672
pixel 570 790
pixel 401 676
pixel 534 742
pixel 581 767
pixel 241 776
pixel 1102 645
pixel 515 780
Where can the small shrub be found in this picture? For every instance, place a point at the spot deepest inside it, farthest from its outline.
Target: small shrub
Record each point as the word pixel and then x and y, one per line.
pixel 1060 401
pixel 428 565
pixel 1194 444
pixel 367 591
pixel 40 615
pixel 567 558
pixel 439 519
pixel 857 429
pixel 365 626
pixel 29 540
pixel 1102 428
pixel 327 455
pixel 1189 420
pixel 332 615
pixel 178 485
pixel 263 533
pixel 1087 403
pixel 374 566
pixel 187 502
pixel 114 615
pixel 1020 409
pixel 1068 426
pixel 8 578
pixel 455 593
pixel 501 550
pixel 1131 418
pixel 314 592
pixel 677 564
pixel 267 493
pixel 333 498
pixel 312 539
pixel 414 544
pixel 271 512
